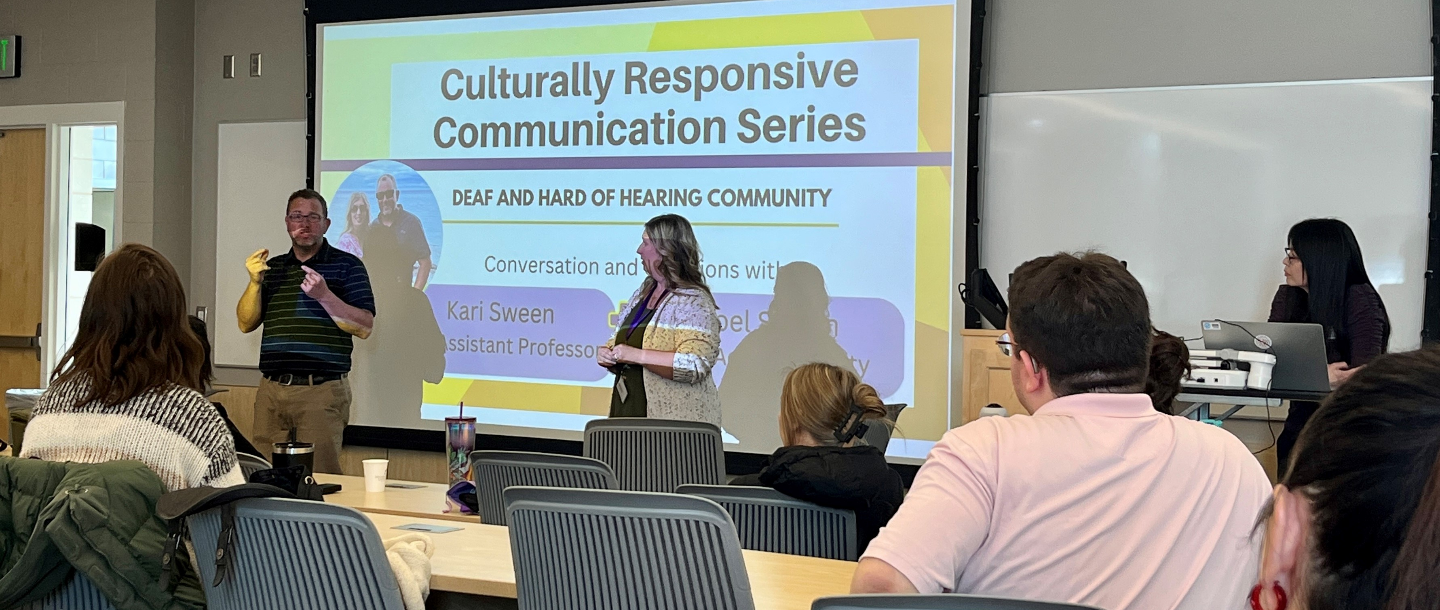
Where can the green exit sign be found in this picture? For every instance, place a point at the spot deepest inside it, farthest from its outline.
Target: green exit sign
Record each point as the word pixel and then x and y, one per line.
pixel 9 56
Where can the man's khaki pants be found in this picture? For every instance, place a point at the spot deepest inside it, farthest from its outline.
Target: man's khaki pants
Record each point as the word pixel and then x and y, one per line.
pixel 317 413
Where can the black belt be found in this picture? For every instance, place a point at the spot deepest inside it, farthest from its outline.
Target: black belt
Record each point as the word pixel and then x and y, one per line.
pixel 289 379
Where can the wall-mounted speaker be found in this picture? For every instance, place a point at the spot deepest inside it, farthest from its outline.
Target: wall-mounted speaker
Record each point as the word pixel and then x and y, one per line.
pixel 89 246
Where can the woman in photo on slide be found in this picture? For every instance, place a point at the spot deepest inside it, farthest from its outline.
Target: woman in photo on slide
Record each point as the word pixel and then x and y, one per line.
pixel 667 336
pixel 1326 284
pixel 357 221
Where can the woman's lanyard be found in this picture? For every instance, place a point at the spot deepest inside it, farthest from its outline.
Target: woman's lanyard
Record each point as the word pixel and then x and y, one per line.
pixel 639 314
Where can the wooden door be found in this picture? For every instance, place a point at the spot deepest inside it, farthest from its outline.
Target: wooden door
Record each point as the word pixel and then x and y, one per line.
pixel 986 377
pixel 22 249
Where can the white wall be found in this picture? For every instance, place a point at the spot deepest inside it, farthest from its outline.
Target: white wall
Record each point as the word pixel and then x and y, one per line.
pixel 1048 45
pixel 276 29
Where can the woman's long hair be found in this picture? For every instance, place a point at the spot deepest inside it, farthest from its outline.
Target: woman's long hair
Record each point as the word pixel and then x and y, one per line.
pixel 679 252
pixel 1367 463
pixel 1330 254
pixel 357 199
pixel 134 335
pixel 818 398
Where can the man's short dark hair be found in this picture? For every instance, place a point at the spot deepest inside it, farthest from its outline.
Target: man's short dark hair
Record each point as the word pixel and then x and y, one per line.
pixel 308 194
pixel 1085 319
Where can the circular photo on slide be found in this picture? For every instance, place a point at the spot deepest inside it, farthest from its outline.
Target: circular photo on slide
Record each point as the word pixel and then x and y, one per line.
pixel 385 213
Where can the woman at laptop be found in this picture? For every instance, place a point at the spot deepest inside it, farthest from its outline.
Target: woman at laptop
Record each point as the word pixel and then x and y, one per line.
pixel 1326 284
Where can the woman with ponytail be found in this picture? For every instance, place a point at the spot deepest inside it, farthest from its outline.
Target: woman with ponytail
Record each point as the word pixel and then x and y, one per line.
pixel 824 411
pixel 1355 523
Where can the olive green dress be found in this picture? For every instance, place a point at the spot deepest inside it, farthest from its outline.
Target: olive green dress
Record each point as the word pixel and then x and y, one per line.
pixel 632 375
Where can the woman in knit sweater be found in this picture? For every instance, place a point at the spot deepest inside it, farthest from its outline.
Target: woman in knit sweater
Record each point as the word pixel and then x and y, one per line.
pixel 127 387
pixel 668 336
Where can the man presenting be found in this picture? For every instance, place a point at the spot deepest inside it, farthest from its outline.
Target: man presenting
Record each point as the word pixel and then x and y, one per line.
pixel 311 300
pixel 398 238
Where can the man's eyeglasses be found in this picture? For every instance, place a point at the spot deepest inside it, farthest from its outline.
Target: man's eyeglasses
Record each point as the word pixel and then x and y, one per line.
pixel 1006 346
pixel 385 195
pixel 298 218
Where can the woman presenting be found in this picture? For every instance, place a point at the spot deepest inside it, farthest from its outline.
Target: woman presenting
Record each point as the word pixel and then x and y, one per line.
pixel 668 335
pixel 1326 284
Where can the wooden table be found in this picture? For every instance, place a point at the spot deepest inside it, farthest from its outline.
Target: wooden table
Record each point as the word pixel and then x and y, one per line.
pixel 476 560
pixel 427 501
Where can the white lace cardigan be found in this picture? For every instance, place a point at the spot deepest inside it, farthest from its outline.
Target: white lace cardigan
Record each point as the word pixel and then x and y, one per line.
pixel 685 323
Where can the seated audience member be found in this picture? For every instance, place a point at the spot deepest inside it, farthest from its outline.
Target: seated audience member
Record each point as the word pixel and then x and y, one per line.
pixel 1096 498
pixel 823 409
pixel 1355 523
pixel 207 375
pixel 127 389
pixel 1169 364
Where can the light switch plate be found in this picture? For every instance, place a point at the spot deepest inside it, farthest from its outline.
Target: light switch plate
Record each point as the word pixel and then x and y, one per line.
pixel 227 69
pixel 254 64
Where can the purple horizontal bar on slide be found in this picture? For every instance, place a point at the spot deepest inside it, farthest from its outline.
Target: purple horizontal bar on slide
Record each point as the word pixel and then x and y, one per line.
pixel 879 159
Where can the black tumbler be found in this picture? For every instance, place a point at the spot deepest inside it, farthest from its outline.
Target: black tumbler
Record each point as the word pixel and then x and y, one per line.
pixel 290 453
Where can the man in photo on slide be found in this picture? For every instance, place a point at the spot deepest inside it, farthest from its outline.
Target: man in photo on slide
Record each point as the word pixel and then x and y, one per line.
pixel 397 238
pixel 311 300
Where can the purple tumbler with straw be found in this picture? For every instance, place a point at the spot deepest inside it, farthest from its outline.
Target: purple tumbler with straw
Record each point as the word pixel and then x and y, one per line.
pixel 459 442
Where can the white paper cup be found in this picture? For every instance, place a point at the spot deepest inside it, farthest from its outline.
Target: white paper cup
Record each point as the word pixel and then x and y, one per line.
pixel 375 471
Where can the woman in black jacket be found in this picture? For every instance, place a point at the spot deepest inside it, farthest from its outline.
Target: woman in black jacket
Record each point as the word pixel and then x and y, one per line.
pixel 1326 284
pixel 824 410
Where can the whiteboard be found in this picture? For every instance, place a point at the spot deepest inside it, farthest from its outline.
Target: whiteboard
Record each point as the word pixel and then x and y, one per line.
pixel 1196 187
pixel 260 164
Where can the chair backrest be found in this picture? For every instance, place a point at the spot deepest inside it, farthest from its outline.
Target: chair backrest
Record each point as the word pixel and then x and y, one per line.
pixel 495 470
pixel 587 549
pixel 296 554
pixel 878 434
pixel 937 602
pixel 78 593
pixel 250 464
pixel 767 520
pixel 657 454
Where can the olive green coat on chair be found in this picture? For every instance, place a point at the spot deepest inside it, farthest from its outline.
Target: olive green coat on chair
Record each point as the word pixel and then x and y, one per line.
pixel 98 519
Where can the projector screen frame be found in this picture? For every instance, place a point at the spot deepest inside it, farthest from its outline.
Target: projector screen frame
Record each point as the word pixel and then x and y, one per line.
pixel 1430 326
pixel 319 13
pixel 972 151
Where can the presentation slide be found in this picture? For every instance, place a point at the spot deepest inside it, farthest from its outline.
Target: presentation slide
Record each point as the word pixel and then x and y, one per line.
pixel 495 174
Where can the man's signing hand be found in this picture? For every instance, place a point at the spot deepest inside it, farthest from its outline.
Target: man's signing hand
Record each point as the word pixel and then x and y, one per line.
pixel 255 264
pixel 314 284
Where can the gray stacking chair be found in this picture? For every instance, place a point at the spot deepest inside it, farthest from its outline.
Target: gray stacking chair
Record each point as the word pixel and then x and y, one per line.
pixel 495 470
pixel 936 602
pixel 250 464
pixel 78 593
pixel 657 454
pixel 768 520
pixel 587 549
pixel 298 555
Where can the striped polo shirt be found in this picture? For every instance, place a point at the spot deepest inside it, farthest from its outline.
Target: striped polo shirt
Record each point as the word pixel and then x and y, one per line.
pixel 300 338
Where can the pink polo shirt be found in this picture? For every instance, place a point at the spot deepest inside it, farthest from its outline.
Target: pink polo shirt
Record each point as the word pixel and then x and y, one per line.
pixel 1095 499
